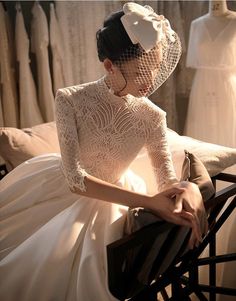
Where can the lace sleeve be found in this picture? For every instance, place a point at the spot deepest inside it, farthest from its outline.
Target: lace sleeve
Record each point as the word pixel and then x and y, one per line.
pixel 69 142
pixel 158 150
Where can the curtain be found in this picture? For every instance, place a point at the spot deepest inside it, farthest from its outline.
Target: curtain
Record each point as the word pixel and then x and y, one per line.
pixel 28 103
pixel 7 72
pixel 72 57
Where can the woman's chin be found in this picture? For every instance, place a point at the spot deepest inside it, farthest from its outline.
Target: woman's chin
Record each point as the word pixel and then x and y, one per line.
pixel 143 92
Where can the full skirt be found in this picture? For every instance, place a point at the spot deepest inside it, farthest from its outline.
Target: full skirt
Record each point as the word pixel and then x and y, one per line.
pixel 53 242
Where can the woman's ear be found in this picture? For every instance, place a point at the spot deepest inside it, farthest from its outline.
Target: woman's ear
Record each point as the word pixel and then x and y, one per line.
pixel 108 65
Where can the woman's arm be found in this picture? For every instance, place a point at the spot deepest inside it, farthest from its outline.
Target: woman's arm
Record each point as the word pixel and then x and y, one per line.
pixel 163 204
pixel 187 202
pixel 158 148
pixel 82 183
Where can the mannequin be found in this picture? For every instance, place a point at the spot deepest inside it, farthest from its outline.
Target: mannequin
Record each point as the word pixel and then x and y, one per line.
pixel 211 50
pixel 211 113
pixel 218 17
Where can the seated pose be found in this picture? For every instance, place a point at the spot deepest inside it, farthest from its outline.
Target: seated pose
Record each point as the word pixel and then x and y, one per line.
pixel 60 211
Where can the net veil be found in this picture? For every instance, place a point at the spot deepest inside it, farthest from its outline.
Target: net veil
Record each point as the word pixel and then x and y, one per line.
pixel 139 71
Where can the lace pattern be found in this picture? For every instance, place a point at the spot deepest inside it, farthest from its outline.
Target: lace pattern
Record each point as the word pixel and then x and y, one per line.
pixel 101 134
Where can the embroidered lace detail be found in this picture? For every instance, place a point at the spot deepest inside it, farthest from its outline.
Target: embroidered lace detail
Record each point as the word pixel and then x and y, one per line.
pixel 101 134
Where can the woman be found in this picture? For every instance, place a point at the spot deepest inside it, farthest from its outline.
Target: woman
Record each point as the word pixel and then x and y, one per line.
pixel 56 231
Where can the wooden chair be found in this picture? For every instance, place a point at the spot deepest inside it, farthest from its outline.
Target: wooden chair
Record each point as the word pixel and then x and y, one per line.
pixel 182 274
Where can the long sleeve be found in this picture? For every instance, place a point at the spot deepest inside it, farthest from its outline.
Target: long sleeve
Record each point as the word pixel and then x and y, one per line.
pixel 158 150
pixel 69 141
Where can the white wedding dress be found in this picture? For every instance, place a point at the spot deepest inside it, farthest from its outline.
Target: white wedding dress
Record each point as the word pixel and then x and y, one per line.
pixel 57 48
pixel 53 241
pixel 30 114
pixel 211 113
pixel 7 72
pixel 39 46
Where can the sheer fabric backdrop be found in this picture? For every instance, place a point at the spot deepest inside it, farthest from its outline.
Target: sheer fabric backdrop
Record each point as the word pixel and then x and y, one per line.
pixel 7 72
pixel 29 110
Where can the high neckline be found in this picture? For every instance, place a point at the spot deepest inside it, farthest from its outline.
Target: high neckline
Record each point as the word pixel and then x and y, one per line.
pixel 110 94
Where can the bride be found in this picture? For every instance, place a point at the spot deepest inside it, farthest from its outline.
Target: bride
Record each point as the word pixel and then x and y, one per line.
pixel 58 212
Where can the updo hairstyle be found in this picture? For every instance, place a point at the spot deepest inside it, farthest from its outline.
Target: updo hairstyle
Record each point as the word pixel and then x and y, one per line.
pixel 114 43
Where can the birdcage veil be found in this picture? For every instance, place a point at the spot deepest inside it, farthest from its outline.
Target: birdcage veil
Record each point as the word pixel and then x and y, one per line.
pixel 152 55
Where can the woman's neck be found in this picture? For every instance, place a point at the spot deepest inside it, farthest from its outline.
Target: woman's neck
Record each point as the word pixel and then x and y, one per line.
pixel 218 7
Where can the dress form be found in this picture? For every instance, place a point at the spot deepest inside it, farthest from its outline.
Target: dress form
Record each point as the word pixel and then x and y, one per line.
pixel 211 113
pixel 218 17
pixel 211 51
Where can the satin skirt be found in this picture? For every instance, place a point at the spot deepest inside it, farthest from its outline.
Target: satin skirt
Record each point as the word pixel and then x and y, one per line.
pixel 53 242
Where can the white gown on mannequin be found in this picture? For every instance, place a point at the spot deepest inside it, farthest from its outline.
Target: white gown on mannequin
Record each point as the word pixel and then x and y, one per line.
pixel 212 105
pixel 7 72
pixel 53 242
pixel 39 43
pixel 30 114
pixel 212 111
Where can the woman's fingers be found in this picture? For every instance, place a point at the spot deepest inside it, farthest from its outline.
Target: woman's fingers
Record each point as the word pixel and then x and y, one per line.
pixel 187 206
pixel 178 204
pixel 179 220
pixel 170 193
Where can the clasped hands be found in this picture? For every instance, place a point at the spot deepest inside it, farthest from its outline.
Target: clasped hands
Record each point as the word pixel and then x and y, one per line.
pixel 183 205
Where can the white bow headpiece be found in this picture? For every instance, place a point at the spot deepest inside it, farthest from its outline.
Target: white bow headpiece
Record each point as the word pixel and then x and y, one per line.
pixel 144 26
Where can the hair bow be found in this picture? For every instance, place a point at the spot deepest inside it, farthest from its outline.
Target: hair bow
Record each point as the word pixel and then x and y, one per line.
pixel 144 26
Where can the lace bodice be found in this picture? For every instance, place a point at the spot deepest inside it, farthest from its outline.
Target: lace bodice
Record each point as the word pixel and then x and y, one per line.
pixel 100 134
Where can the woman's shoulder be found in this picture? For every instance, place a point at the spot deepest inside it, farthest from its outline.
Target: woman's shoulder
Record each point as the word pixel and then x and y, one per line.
pixel 72 92
pixel 152 109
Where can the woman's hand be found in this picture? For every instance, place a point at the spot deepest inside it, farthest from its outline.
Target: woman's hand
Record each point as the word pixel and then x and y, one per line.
pixel 166 206
pixel 182 205
pixel 190 201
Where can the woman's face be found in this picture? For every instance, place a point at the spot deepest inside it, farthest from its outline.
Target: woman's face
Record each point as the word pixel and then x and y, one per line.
pixel 139 74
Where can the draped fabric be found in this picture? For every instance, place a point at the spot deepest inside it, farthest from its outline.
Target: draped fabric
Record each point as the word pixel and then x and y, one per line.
pixel 80 63
pixel 30 114
pixel 74 57
pixel 57 51
pixel 7 72
pixel 39 43
pixel 1 113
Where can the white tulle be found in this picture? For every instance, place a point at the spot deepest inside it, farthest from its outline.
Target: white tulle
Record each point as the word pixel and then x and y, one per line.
pixel 212 104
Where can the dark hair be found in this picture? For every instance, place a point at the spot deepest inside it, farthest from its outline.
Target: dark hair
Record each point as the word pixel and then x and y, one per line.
pixel 112 39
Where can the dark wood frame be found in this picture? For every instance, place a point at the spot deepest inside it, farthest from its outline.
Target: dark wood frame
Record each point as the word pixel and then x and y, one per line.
pixel 182 286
